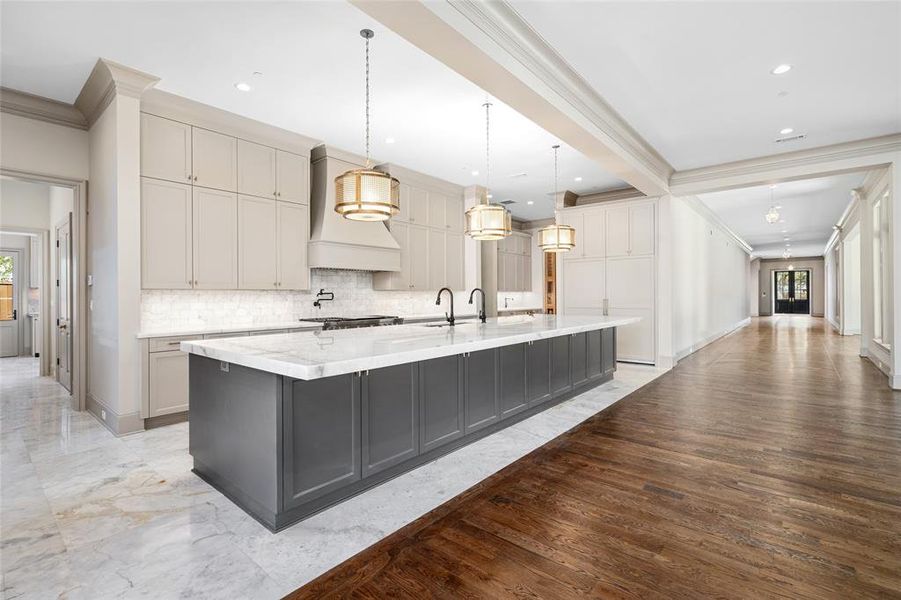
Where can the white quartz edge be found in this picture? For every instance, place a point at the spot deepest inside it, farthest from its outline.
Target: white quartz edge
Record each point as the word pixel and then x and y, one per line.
pixel 305 325
pixel 283 354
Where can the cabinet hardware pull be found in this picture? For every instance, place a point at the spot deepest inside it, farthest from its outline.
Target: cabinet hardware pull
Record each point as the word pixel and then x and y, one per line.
pixel 195 178
pixel 189 177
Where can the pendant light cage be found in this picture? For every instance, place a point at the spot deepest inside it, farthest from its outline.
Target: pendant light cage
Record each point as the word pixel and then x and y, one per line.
pixel 487 222
pixel 556 237
pixel 366 194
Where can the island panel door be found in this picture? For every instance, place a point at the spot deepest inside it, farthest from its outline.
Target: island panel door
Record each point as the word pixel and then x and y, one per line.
pixel 595 369
pixel 321 437
pixel 441 401
pixel 579 350
pixel 539 371
pixel 390 432
pixel 481 389
pixel 512 361
pixel 561 380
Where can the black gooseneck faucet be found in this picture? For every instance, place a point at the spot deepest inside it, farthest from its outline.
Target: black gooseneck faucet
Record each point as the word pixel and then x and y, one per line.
pixel 482 309
pixel 449 317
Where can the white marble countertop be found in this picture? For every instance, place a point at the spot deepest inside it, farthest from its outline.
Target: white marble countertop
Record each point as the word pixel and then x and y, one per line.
pixel 316 354
pixel 215 329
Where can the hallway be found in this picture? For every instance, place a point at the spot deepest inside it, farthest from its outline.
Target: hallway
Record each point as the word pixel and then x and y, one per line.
pixel 766 465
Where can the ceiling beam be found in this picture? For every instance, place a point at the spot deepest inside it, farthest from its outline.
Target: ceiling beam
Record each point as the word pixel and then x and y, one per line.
pixel 489 44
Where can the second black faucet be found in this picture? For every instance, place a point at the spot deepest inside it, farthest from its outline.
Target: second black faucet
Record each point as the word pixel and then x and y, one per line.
pixel 449 317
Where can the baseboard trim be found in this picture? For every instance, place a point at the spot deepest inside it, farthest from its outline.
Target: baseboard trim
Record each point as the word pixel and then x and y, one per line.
pixel 162 421
pixel 709 340
pixel 118 424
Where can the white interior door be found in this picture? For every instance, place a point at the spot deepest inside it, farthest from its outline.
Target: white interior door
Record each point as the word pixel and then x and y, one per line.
pixel 9 303
pixel 64 304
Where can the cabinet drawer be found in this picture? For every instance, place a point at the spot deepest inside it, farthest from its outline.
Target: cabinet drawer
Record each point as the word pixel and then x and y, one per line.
pixel 170 343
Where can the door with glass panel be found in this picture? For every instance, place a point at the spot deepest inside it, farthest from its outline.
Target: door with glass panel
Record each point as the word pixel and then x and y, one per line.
pixel 9 303
pixel 792 292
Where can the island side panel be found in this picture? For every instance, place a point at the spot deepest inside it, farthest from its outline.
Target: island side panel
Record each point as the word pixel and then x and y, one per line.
pixel 234 433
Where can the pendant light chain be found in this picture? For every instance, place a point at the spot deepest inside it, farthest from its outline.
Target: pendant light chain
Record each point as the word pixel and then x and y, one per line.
pixel 487 106
pixel 554 195
pixel 367 103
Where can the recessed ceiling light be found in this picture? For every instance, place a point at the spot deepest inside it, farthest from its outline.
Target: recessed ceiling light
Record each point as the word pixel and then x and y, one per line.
pixel 474 173
pixel 578 179
pixel 781 69
pixel 530 202
pixel 390 140
pixel 490 196
pixel 773 186
pixel 778 207
pixel 243 86
pixel 786 131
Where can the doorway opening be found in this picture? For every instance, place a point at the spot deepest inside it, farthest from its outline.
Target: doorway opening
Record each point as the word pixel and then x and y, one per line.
pixel 792 292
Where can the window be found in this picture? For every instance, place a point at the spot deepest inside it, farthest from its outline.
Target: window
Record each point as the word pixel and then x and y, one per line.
pixel 7 303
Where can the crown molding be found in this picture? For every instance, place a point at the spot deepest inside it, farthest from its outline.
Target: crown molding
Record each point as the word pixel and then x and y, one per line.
pixel 628 193
pixel 506 28
pixel 848 156
pixel 699 207
pixel 106 80
pixel 39 108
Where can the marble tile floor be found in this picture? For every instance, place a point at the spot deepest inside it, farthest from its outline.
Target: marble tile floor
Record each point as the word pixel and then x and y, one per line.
pixel 84 514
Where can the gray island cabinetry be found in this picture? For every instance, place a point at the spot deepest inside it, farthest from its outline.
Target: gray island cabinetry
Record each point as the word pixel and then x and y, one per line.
pixel 284 447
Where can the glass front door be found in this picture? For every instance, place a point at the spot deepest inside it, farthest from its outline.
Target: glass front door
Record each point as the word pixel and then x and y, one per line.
pixel 792 292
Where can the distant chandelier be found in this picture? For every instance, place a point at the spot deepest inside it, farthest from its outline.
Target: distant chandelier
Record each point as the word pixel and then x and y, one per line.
pixel 556 237
pixel 772 215
pixel 485 221
pixel 366 194
pixel 786 255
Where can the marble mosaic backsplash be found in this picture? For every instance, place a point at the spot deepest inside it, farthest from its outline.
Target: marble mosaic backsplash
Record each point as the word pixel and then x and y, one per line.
pixel 189 309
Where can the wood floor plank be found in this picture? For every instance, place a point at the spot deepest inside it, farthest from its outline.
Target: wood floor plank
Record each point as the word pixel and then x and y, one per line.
pixel 766 465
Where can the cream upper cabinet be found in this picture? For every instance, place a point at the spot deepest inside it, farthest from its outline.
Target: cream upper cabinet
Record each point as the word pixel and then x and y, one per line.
pixel 527 273
pixel 166 235
pixel 437 254
pixel 396 280
pixel 511 273
pixel 574 220
pixel 293 184
pixel 419 257
pixel 501 273
pixel 293 233
pixel 454 261
pixel 256 170
pixel 618 231
pixel 215 158
pixel 593 234
pixel 165 149
pixel 437 210
pixel 419 206
pixel 453 210
pixel 257 243
pixel 584 284
pixel 641 230
pixel 215 237
pixel 403 214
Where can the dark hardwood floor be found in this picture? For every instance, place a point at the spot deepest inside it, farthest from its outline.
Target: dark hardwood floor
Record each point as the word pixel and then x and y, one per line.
pixel 767 465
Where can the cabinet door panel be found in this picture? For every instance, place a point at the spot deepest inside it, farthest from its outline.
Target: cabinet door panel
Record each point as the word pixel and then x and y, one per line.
pixel 513 379
pixel 403 214
pixel 215 237
pixel 454 261
pixel 618 231
pixel 575 221
pixel 579 362
pixel 293 235
pixel 419 257
pixel 293 174
pixel 635 342
pixel 481 389
pixel 539 371
pixel 257 243
pixel 511 273
pixel 641 230
pixel 419 206
pixel 584 284
pixel 165 149
pixel 168 383
pixel 437 251
pixel 256 170
pixel 453 206
pixel 561 380
pixel 437 210
pixel 527 273
pixel 390 433
pixel 501 270
pixel 166 235
pixel 322 437
pixel 215 158
pixel 441 397
pixel 594 357
pixel 593 234
pixel 630 282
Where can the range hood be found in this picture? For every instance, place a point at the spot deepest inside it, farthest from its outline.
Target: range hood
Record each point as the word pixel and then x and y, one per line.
pixel 336 242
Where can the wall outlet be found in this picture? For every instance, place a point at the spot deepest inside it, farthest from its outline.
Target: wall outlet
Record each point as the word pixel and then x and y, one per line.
pixel 223 366
pixel 103 414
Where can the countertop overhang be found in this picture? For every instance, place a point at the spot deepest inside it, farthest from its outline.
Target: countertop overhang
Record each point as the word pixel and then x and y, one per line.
pixel 316 354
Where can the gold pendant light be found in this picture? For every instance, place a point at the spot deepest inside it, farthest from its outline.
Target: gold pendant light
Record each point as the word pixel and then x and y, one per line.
pixel 485 221
pixel 367 194
pixel 556 237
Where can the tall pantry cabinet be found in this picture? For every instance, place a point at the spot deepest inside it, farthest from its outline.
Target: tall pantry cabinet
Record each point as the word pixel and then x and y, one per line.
pixel 612 271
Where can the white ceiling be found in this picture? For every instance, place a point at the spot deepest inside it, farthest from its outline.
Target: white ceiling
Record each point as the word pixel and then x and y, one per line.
pixel 809 209
pixel 311 58
pixel 693 77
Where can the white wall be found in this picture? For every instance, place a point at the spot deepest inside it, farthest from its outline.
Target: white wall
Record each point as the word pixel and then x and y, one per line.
pixel 43 148
pixel 851 306
pixel 24 204
pixel 709 279
pixel 754 287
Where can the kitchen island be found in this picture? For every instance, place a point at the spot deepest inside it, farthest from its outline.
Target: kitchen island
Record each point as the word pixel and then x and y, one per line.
pixel 287 425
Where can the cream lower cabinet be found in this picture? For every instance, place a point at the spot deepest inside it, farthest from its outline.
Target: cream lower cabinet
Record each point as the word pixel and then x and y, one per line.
pixel 168 385
pixel 215 243
pixel 293 233
pixel 166 235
